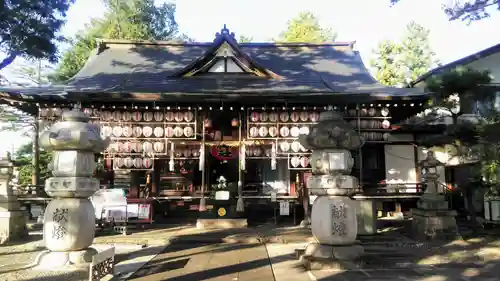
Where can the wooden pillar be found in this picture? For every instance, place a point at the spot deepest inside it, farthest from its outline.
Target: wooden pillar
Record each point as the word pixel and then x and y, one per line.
pixel 305 199
pixel 155 178
pixel 35 161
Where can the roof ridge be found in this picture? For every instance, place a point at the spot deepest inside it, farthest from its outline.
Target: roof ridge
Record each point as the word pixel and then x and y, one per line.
pixel 109 42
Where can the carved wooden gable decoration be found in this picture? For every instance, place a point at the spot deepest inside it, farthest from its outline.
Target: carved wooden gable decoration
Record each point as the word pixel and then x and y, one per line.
pixel 225 57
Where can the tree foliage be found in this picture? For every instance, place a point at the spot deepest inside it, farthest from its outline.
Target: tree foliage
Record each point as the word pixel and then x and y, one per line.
pixel 123 19
pixel 387 63
pixel 461 91
pixel 29 29
pixel 467 10
pixel 305 28
pixel 245 39
pixel 24 160
pixel 398 63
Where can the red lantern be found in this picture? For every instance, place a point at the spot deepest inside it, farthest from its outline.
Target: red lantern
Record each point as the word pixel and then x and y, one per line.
pixel 235 122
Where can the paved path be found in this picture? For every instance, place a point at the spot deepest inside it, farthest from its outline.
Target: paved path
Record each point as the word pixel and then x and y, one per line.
pixel 429 274
pixel 208 261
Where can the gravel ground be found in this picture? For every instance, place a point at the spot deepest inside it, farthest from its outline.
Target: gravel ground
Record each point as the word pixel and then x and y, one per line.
pixel 15 260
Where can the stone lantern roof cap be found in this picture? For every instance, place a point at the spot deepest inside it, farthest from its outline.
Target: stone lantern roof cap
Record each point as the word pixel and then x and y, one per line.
pixel 430 161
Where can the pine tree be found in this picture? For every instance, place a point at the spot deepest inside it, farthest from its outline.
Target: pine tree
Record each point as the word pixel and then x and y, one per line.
pixel 399 63
pixel 417 55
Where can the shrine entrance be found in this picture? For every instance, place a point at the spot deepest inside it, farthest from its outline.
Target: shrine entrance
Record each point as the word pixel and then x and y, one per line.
pixel 222 143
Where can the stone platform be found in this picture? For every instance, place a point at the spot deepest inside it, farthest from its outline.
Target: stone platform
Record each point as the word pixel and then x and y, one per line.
pixel 221 223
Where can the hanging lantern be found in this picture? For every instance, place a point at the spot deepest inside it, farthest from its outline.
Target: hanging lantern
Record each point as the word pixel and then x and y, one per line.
pixel 273 157
pixel 171 162
pixel 243 157
pixel 207 123
pixel 235 122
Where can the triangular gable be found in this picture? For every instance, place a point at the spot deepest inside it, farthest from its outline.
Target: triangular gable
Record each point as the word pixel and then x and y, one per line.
pixel 226 57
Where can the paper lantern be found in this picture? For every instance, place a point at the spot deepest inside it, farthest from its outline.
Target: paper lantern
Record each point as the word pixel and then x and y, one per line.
pixel 207 123
pixel 273 157
pixel 235 122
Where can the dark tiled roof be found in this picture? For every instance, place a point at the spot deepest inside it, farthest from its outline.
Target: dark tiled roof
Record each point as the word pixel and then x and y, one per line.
pixel 460 62
pixel 144 67
pixel 138 71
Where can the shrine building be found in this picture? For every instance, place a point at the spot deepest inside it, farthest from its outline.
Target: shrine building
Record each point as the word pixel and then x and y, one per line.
pixel 186 119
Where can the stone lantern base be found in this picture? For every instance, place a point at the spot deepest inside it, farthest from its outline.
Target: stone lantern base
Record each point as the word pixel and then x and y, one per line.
pixel 432 220
pixel 48 260
pixel 336 257
pixel 12 225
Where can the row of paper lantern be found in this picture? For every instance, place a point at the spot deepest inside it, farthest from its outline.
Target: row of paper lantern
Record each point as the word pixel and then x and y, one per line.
pixel 302 116
pixel 137 147
pixel 151 147
pixel 137 116
pixel 147 131
pixel 371 124
pixel 299 161
pixel 273 131
pixel 371 112
pixel 284 147
pixel 294 146
pixel 50 112
pixel 129 162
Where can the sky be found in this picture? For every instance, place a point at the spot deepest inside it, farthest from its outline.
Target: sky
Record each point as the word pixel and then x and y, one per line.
pixel 365 21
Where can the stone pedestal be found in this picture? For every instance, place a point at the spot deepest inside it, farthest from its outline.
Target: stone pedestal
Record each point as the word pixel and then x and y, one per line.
pixel 432 220
pixel 12 218
pixel 334 222
pixel 69 219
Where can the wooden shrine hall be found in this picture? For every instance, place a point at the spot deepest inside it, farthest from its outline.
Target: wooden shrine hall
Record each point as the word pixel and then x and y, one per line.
pixel 189 119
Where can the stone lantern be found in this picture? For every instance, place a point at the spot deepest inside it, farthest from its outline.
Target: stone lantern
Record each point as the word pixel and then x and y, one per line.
pixel 12 219
pixel 69 220
pixel 334 215
pixel 429 170
pixel 432 220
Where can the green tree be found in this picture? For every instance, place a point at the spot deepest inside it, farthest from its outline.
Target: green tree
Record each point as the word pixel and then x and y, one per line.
pixel 467 10
pixel 417 55
pixel 305 28
pixel 387 63
pixel 398 63
pixel 123 19
pixel 29 29
pixel 456 92
pixel 24 159
pixel 245 39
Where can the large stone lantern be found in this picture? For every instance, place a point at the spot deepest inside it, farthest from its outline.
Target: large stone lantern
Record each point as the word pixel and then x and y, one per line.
pixel 333 216
pixel 12 219
pixel 432 220
pixel 69 221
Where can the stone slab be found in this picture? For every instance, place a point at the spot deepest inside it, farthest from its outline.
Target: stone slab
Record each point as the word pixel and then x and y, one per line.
pixel 221 223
